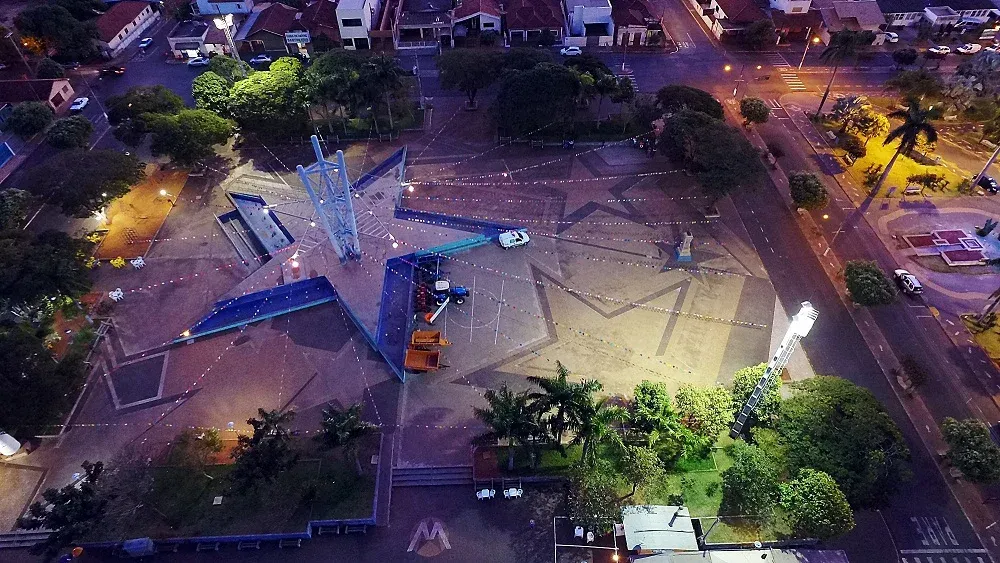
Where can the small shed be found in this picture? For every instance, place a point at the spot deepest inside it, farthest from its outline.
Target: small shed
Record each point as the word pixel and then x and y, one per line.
pixel 658 529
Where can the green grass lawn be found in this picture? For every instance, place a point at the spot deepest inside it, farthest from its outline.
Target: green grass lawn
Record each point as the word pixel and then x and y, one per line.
pixel 746 530
pixel 550 462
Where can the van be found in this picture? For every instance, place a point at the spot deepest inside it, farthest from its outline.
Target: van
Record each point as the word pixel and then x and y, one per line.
pixel 908 282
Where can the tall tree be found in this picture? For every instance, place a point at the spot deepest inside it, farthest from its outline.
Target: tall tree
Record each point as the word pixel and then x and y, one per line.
pixel 229 69
pixel 640 466
pixel 904 57
pixel 139 100
pixel 531 100
pixel 265 454
pixel 815 506
pixel 750 485
pixel 468 71
pixel 971 450
pixel 592 497
pixel 744 382
pixel 211 92
pixel 807 190
pixel 332 79
pixel 872 124
pixel 916 125
pixel 843 46
pixel 675 97
pixel 507 415
pixel 48 69
pixel 598 421
pixel 849 110
pixel 188 136
pixel 565 397
pixel 50 26
pixel 705 411
pixel 71 132
pixel 82 182
pixel 344 429
pixel 760 35
pixel 70 512
pixel 268 102
pixel 754 110
pixel 380 76
pixel 28 118
pixel 13 208
pixel 832 425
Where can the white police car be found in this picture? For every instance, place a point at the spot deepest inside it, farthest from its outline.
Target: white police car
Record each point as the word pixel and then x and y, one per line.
pixel 510 239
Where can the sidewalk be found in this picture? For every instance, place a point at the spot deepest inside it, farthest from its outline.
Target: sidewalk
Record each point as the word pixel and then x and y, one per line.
pixel 969 496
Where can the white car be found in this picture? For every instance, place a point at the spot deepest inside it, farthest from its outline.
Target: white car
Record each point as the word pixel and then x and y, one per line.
pixel 940 50
pixel 260 59
pixel 198 61
pixel 908 282
pixel 570 51
pixel 970 48
pixel 511 239
pixel 146 42
pixel 78 104
pixel 891 36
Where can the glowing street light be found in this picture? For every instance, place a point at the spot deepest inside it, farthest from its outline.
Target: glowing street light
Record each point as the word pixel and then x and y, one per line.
pixel 813 41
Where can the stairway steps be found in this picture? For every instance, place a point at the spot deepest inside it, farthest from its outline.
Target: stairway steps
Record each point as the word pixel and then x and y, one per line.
pixel 431 476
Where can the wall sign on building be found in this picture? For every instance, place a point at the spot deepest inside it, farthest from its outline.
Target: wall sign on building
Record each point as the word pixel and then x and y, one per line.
pixel 297 37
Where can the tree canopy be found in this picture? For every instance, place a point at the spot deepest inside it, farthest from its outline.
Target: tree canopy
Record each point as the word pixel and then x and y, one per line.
pixel 530 100
pixel 832 425
pixel 70 132
pixel 760 35
pixel 468 71
pixel 815 506
pixel 13 208
pixel 867 284
pixel 188 136
pixel 70 512
pixel 808 191
pixel 268 102
pixel 143 99
pixel 51 26
pixel 750 485
pixel 344 428
pixel 28 118
pixel 211 92
pixel 82 182
pixel 971 449
pixel 744 382
pixel 593 498
pixel 262 456
pixel 705 411
pixel 229 69
pixel 49 69
pixel 754 110
pixel 675 97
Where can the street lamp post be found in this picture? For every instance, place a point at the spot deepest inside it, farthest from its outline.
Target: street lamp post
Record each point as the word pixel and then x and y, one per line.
pixel 10 35
pixel 225 24
pixel 814 41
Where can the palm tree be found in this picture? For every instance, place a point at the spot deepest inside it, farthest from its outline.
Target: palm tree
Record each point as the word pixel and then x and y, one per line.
pixel 508 416
pixel 344 429
pixel 565 397
pixel 849 110
pixel 382 74
pixel 597 424
pixel 916 123
pixel 843 45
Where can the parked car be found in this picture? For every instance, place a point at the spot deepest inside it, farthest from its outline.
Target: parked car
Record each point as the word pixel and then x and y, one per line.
pixel 8 445
pixel 891 36
pixel 198 61
pixel 511 239
pixel 260 59
pixel 78 105
pixel 72 65
pixel 988 184
pixel 570 51
pixel 112 71
pixel 146 42
pixel 940 50
pixel 908 282
pixel 970 48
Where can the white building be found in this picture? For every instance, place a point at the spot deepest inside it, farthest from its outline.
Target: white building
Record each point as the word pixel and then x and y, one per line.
pixel 589 23
pixel 211 7
pixel 791 6
pixel 122 24
pixel 356 19
pixel 936 12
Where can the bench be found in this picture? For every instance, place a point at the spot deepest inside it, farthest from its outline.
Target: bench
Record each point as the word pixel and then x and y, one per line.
pixel 248 545
pixel 167 547
pixel 297 542
pixel 327 530
pixel 207 546
pixel 350 529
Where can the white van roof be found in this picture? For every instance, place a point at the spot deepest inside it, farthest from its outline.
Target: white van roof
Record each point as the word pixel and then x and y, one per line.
pixel 8 445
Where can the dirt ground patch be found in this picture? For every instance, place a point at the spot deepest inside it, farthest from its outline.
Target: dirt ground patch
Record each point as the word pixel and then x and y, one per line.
pixel 133 221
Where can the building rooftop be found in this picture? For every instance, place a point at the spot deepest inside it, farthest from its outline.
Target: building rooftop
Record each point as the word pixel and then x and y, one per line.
pixel 189 28
pixel 632 12
pixel 15 91
pixel 905 6
pixel 535 14
pixel 111 23
pixel 658 528
pixel 321 13
pixel 469 8
pixel 741 11
pixel 276 18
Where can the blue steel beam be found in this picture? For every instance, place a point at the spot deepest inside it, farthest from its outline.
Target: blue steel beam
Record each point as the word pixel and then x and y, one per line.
pixel 330 192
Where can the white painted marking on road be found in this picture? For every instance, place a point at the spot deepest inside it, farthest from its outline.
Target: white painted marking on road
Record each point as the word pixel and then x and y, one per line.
pixel 949 322
pixel 994 523
pixel 880 348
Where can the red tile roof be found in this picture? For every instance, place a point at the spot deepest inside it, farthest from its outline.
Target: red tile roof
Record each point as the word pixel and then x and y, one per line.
pixel 741 11
pixel 320 18
pixel 632 12
pixel 470 8
pixel 111 23
pixel 15 91
pixel 276 18
pixel 535 14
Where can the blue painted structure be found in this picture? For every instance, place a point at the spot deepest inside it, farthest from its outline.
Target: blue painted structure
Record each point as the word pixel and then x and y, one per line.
pixel 260 305
pixel 6 153
pixel 330 192
pixel 397 158
pixel 262 222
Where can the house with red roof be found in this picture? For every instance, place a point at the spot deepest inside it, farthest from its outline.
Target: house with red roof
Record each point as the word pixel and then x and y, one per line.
pixel 477 16
pixel 272 28
pixel 319 18
pixel 122 24
pixel 729 18
pixel 530 21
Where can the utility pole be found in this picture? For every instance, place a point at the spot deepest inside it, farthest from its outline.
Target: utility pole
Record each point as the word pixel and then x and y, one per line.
pixel 993 157
pixel 814 41
pixel 225 24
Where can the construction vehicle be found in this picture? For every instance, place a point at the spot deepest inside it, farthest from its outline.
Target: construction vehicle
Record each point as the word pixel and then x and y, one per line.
pixel 443 292
pixel 422 360
pixel 426 339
